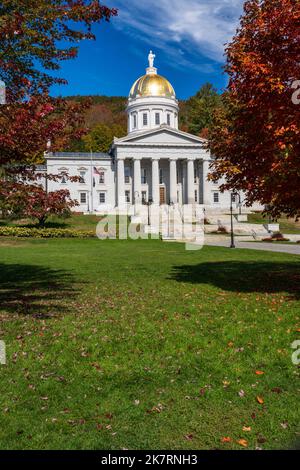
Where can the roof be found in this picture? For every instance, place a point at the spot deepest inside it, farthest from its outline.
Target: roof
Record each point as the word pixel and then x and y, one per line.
pixel 79 155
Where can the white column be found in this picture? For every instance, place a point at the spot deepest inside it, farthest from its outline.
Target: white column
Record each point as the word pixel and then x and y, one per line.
pixel 206 184
pixel 190 182
pixel 155 181
pixel 173 181
pixel 121 182
pixel 137 180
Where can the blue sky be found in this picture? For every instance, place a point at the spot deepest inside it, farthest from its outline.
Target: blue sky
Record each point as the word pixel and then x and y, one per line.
pixel 187 36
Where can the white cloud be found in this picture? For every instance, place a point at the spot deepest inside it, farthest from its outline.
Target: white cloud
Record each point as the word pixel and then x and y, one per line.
pixel 181 27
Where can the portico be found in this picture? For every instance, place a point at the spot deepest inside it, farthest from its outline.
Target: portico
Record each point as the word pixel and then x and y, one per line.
pixel 158 171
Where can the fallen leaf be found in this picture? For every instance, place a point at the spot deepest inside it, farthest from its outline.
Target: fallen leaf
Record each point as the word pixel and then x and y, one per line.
pixel 284 425
pixel 226 383
pixel 241 393
pixel 243 442
pixel 188 437
pixel 247 428
pixel 259 372
pixel 260 400
pixel 226 439
pixel 276 390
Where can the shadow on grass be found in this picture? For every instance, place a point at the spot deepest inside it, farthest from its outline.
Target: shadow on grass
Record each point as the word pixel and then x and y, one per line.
pixel 35 290
pixel 238 276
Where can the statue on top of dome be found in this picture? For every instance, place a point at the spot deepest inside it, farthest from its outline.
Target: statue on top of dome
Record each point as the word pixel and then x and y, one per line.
pixel 151 58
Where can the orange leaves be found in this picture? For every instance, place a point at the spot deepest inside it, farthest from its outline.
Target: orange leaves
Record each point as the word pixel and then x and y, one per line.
pixel 258 132
pixel 243 442
pixel 260 400
pixel 259 372
pixel 246 428
pixel 226 439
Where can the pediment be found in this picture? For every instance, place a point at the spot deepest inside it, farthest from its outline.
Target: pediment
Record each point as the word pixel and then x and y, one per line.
pixel 161 136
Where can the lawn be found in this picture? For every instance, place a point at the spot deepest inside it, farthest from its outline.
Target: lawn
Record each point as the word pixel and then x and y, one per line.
pixel 76 222
pixel 289 226
pixel 143 345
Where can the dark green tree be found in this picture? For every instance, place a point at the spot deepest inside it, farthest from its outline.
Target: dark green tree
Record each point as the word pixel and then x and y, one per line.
pixel 199 109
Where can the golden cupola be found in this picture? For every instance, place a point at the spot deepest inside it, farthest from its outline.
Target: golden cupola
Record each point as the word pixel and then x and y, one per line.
pixel 152 84
pixel 152 101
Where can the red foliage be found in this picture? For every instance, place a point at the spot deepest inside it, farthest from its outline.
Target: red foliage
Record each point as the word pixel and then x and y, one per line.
pixel 19 199
pixel 256 138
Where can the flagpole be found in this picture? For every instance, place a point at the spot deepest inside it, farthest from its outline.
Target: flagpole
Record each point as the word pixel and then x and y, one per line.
pixel 92 184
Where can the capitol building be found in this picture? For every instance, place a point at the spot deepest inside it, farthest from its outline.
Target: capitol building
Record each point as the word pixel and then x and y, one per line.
pixel 155 163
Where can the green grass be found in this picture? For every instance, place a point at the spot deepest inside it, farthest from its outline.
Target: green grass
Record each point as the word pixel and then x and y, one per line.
pixel 288 226
pixel 143 345
pixel 76 221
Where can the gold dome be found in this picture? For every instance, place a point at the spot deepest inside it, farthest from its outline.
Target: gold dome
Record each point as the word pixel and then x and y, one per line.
pixel 152 85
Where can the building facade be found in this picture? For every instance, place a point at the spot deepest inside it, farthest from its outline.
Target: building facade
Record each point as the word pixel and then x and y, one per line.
pixel 155 163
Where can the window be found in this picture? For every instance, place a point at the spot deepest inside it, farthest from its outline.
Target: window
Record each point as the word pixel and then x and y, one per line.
pixel 233 197
pixel 145 119
pixel 63 179
pixel 157 119
pixel 168 119
pixel 160 176
pixel 195 174
pixel 102 198
pixel 134 121
pixel 144 197
pixel 83 198
pixel 196 195
pixel 127 196
pixel 127 174
pixel 101 177
pixel 144 176
pixel 216 198
pixel 82 177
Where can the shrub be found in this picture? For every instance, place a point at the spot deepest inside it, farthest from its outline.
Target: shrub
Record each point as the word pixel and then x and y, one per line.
pixel 276 237
pixel 26 232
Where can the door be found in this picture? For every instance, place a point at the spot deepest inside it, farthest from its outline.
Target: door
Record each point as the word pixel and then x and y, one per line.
pixel 162 195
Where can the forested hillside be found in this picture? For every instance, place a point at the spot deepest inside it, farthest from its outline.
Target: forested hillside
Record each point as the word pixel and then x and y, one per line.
pixel 106 118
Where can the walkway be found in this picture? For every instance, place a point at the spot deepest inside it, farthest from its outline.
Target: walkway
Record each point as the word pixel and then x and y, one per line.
pixel 293 249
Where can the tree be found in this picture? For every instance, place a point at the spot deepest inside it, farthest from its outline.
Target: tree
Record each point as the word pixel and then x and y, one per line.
pixel 256 137
pixel 32 34
pixel 20 199
pixel 100 138
pixel 199 109
pixel 35 36
pixel 26 128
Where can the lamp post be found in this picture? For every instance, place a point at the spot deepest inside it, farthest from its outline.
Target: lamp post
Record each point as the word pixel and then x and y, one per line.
pixel 149 204
pixel 232 244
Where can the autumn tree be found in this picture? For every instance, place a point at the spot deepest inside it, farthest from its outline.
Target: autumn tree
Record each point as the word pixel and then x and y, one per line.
pixel 35 37
pixel 256 137
pixel 32 201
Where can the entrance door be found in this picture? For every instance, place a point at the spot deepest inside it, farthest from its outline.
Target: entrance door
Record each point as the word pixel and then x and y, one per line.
pixel 162 195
